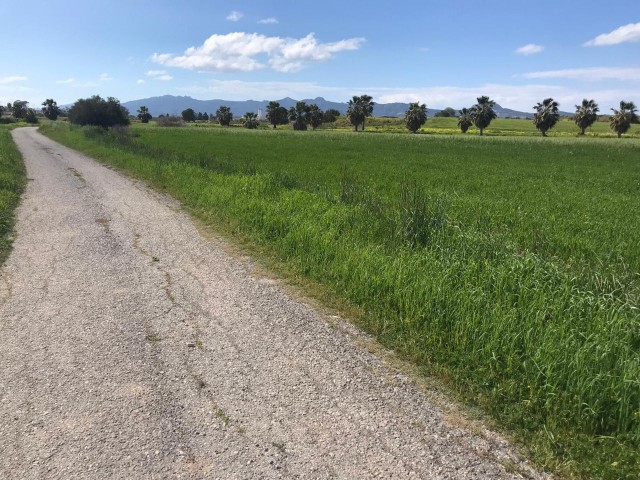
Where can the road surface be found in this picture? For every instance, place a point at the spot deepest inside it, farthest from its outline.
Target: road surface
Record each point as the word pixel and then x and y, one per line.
pixel 131 347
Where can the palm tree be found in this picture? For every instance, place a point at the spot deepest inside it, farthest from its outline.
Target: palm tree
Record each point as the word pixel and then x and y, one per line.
pixel 482 113
pixel 358 109
pixel 354 112
pixel 622 119
pixel 143 114
pixel 300 116
pixel 276 115
pixel 415 117
pixel 224 115
pixel 50 109
pixel 316 116
pixel 250 120
pixel 586 114
pixel 465 120
pixel 546 115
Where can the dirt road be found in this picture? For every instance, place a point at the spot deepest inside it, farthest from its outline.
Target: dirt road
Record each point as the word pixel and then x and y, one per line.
pixel 132 347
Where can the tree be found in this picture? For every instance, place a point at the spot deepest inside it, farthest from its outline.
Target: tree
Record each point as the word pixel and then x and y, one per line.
pixel 316 116
pixel 300 116
pixel 330 115
pixel 31 116
pixel 465 120
pixel 358 109
pixel 250 120
pixel 415 117
pixel 50 109
pixel 482 113
pixel 205 117
pixel 446 113
pixel 224 116
pixel 144 115
pixel 19 108
pixel 586 114
pixel 276 114
pixel 189 115
pixel 98 111
pixel 546 115
pixel 622 119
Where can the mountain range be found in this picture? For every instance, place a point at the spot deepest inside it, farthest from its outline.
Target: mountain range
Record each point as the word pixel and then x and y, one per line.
pixel 174 105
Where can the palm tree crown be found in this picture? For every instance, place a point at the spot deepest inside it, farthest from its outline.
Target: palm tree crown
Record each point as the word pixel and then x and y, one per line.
pixel 482 113
pixel 546 115
pixel 465 121
pixel 622 119
pixel 586 114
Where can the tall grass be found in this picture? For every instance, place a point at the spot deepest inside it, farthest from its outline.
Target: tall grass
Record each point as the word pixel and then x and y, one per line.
pixel 508 266
pixel 12 182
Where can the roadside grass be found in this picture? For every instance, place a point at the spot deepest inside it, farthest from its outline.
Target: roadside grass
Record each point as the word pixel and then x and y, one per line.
pixel 12 184
pixel 508 266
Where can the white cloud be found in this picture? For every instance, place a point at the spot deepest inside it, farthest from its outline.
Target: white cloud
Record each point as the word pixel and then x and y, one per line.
pixel 140 81
pixel 530 49
pixel 246 52
pixel 72 82
pixel 626 33
pixel 104 77
pixel 267 21
pixel 591 74
pixel 234 16
pixel 159 75
pixel 12 79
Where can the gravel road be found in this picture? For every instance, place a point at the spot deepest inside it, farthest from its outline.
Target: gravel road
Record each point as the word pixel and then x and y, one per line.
pixel 131 347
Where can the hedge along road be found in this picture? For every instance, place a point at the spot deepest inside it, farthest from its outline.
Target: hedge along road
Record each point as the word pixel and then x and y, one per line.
pixel 132 347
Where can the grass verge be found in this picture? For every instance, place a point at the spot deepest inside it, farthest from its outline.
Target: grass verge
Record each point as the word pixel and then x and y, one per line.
pixel 12 183
pixel 541 332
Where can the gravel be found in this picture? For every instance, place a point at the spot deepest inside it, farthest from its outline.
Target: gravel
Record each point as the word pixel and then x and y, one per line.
pixel 133 347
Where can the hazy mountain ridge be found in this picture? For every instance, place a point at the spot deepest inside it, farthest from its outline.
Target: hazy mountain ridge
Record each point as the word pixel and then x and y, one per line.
pixel 174 105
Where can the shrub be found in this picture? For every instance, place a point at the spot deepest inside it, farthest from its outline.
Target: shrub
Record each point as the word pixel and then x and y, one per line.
pixel 170 121
pixel 99 112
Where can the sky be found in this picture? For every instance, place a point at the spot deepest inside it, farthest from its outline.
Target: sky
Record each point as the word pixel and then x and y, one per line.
pixel 444 53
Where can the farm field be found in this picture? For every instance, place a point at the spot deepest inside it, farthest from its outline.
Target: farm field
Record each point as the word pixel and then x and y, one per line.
pixel 12 181
pixel 507 265
pixel 449 126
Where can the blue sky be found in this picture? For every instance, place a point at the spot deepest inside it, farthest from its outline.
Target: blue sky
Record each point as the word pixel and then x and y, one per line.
pixel 442 53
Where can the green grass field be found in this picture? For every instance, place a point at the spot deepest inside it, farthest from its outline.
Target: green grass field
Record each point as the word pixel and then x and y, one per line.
pixel 508 266
pixel 449 126
pixel 12 182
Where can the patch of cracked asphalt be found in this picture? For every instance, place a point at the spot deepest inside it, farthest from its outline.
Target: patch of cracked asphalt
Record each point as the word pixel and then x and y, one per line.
pixel 132 347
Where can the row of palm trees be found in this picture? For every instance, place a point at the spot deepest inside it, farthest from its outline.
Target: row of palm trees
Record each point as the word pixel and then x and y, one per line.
pixel 547 115
pixel 479 115
pixel 545 118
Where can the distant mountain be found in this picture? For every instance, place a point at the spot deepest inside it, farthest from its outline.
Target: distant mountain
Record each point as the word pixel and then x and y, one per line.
pixel 172 105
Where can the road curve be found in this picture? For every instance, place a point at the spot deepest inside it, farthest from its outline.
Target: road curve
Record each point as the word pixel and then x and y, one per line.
pixel 132 347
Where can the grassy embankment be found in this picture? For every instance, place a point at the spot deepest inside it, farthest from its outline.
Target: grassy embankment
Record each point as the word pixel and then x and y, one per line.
pixel 12 182
pixel 508 266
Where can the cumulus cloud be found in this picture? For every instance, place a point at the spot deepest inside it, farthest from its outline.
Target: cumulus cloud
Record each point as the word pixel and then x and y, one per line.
pixel 624 34
pixel 12 79
pixel 234 16
pixel 592 74
pixel 68 81
pixel 246 52
pixel 529 49
pixel 267 21
pixel 159 75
